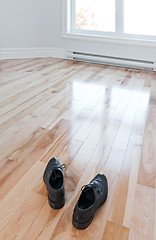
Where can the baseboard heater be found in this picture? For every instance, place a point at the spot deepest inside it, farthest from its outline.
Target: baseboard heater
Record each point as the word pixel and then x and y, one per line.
pixel 115 61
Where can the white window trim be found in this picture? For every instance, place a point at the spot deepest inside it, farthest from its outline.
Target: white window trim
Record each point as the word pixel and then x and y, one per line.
pixel 85 35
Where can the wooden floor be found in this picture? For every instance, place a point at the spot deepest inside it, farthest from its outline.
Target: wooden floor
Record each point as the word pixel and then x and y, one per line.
pixel 93 118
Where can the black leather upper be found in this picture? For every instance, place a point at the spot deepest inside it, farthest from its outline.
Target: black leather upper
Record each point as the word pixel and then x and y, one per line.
pixel 93 195
pixel 53 178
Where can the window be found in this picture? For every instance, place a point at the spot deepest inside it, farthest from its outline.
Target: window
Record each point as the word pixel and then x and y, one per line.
pixel 140 17
pixel 90 12
pixel 122 19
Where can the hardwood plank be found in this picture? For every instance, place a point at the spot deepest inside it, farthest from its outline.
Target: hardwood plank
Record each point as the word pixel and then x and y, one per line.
pixel 115 160
pixel 21 107
pixel 33 140
pixel 127 181
pixel 66 137
pixel 15 198
pixel 147 168
pixel 12 170
pixel 121 193
pixel 132 185
pixel 27 108
pixel 22 133
pixel 142 222
pixel 144 99
pixel 139 122
pixel 89 124
pixel 126 126
pixel 26 83
pixel 153 91
pixel 46 217
pixel 6 65
pixel 122 104
pixel 33 89
pixel 115 231
pixel 27 62
pixel 44 224
pixel 8 77
pixel 23 218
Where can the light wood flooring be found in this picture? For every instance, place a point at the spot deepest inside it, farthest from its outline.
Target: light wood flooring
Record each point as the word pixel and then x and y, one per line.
pixel 93 118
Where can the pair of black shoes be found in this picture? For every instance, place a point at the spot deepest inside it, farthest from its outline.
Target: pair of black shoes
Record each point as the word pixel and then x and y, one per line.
pixel 93 195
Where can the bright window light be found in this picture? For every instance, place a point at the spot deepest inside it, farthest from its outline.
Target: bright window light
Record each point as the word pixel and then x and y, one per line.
pixel 140 17
pixel 96 15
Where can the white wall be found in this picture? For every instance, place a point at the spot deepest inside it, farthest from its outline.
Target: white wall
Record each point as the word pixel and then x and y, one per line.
pixel 38 24
pixel 25 23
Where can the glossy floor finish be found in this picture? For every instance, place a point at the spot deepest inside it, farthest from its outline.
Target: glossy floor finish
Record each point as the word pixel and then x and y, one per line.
pixel 93 118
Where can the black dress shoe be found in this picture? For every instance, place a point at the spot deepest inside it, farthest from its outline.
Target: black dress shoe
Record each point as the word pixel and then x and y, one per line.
pixel 53 178
pixel 93 196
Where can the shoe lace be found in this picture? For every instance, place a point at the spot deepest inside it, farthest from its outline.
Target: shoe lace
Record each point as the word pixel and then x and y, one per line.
pixel 63 166
pixel 90 186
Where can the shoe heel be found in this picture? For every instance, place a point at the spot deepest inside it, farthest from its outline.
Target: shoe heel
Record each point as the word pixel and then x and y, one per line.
pixel 57 205
pixel 82 226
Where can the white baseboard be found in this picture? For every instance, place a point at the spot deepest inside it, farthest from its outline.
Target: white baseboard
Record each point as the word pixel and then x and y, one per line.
pixel 114 61
pixel 15 53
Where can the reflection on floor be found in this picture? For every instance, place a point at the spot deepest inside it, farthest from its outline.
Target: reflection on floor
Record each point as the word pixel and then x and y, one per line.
pixel 93 118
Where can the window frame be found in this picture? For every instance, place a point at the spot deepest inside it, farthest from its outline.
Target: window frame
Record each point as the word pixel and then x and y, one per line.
pixel 69 31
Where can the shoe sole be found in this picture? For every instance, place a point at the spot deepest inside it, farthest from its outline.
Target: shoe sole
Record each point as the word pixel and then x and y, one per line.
pixel 56 205
pixel 82 226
